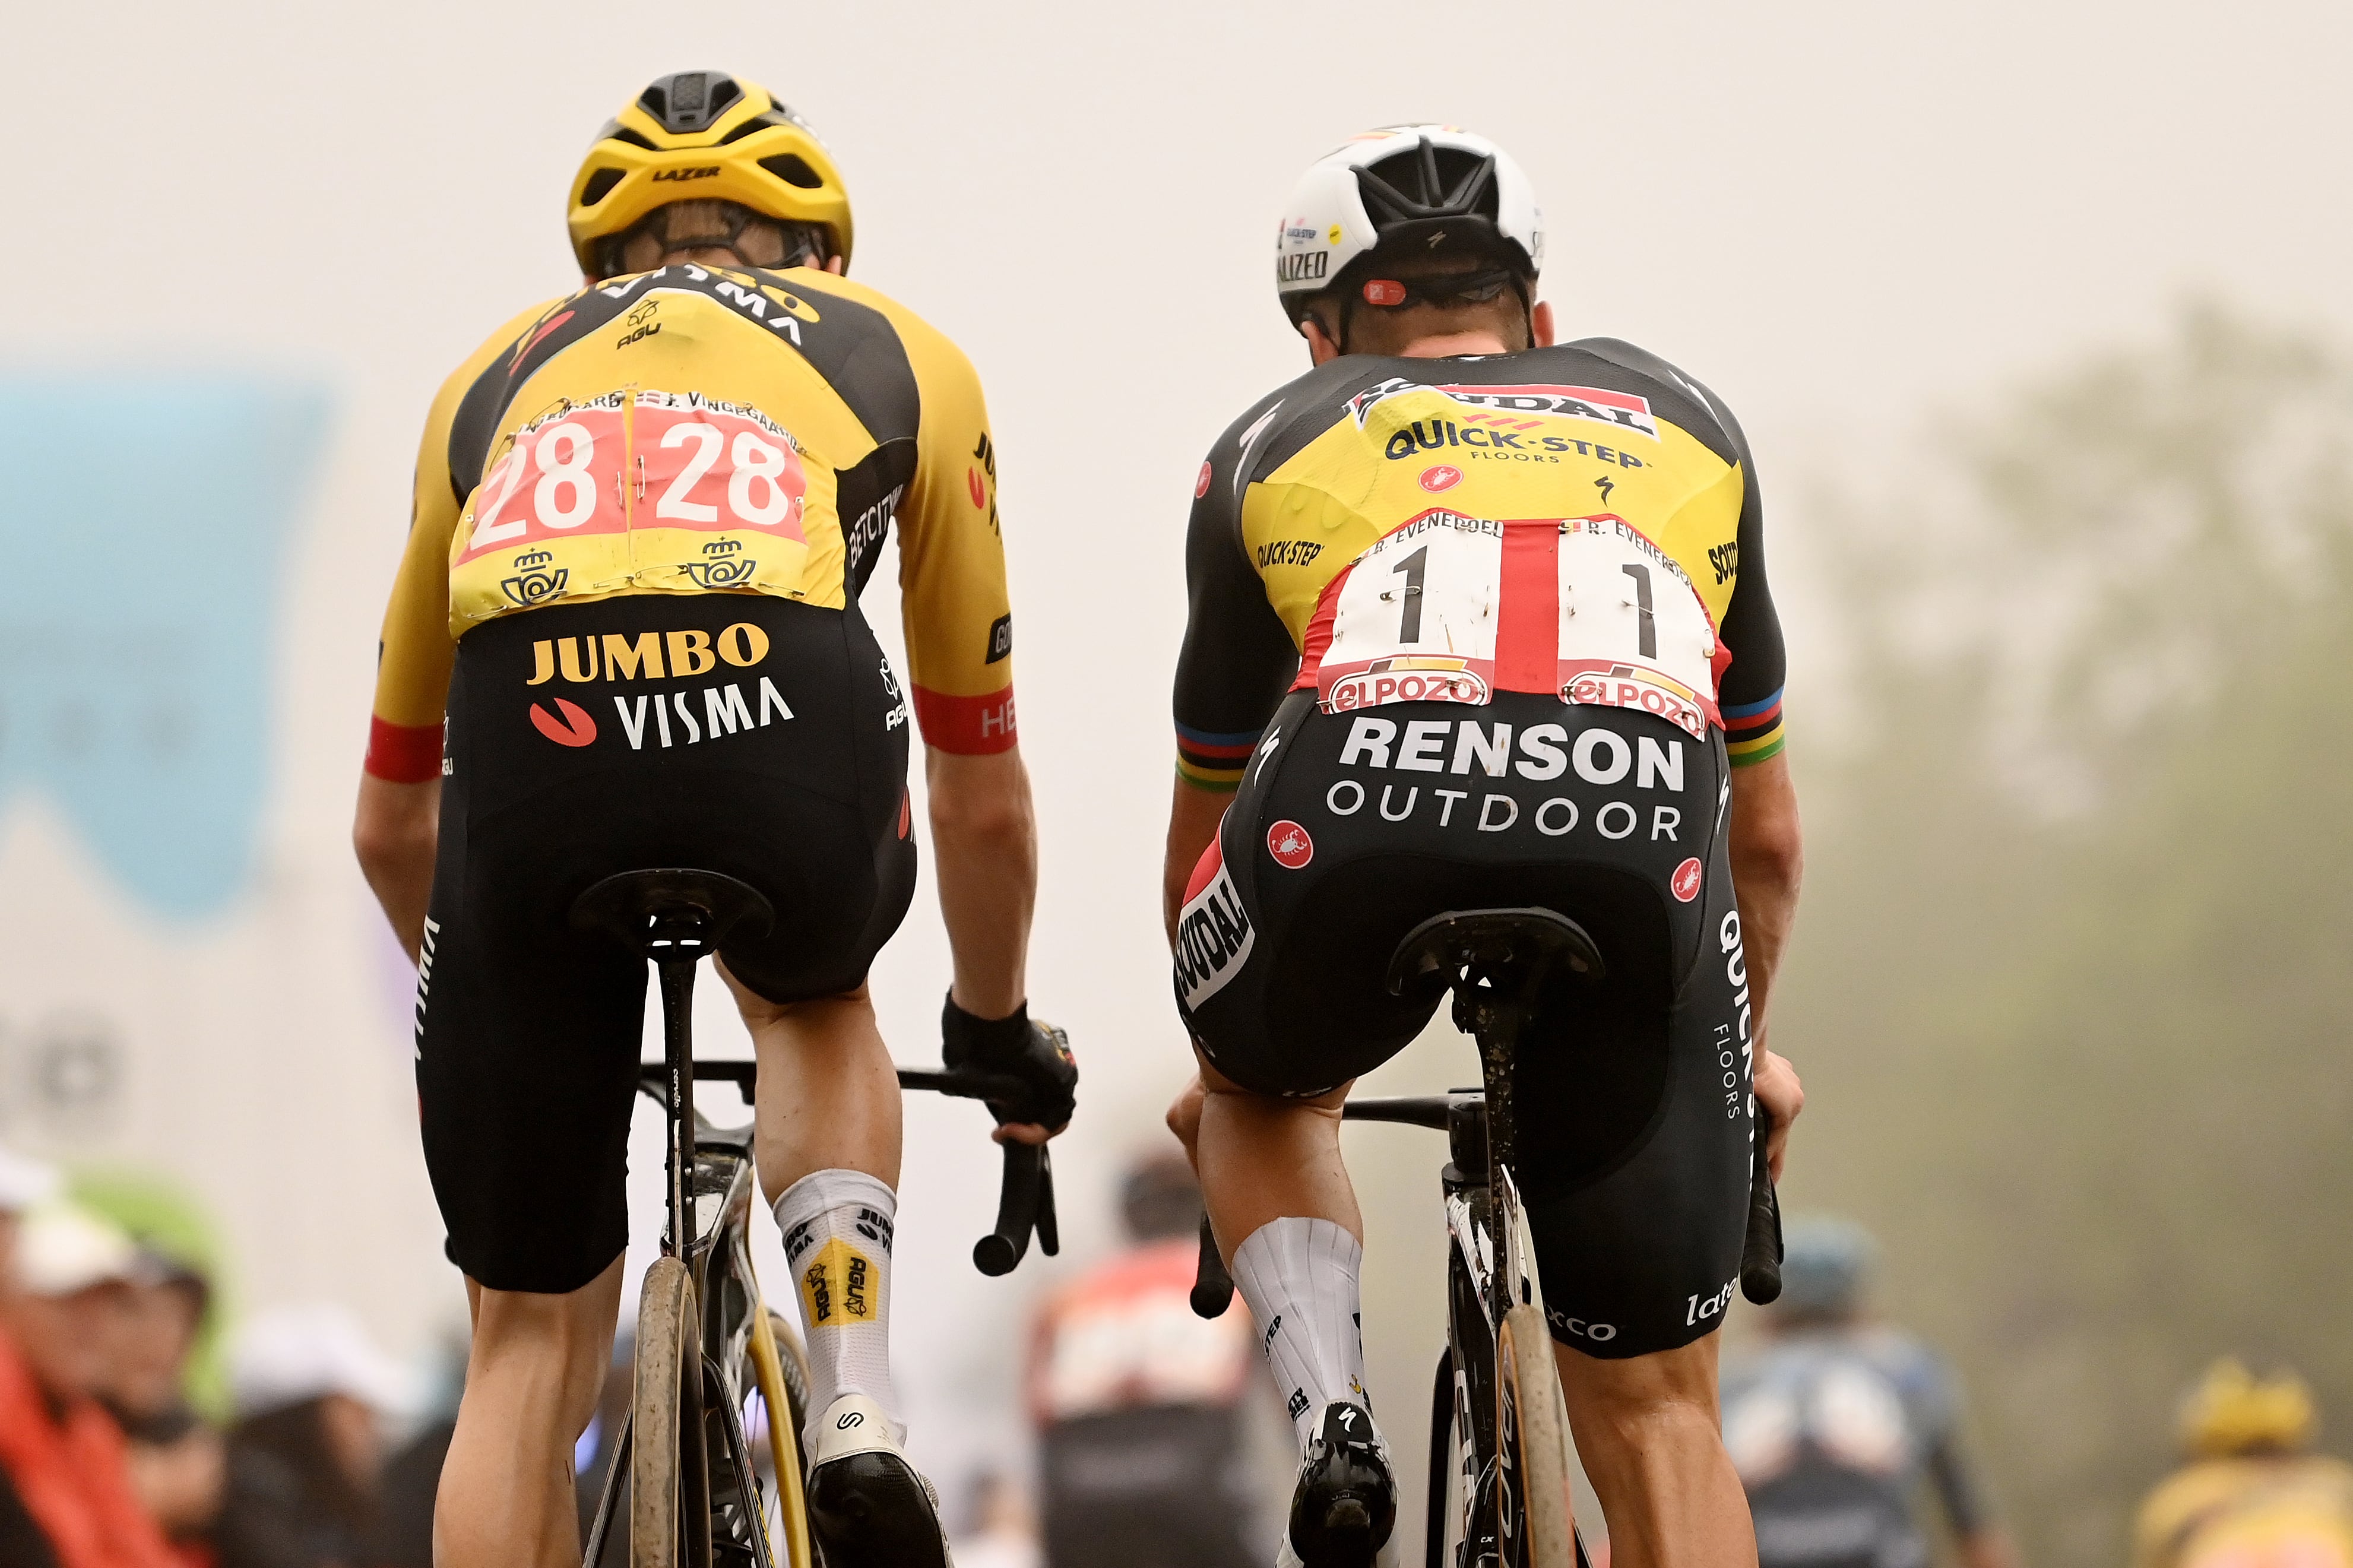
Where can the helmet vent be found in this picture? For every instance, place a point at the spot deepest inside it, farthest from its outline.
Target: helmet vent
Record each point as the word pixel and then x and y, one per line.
pixel 754 126
pixel 687 101
pixel 622 133
pixel 600 186
pixel 794 170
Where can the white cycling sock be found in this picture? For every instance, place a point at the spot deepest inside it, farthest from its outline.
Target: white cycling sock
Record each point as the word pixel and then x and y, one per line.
pixel 1298 1277
pixel 837 1227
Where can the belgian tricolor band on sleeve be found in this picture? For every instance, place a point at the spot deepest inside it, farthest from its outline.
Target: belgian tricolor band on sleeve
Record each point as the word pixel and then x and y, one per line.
pixel 1752 732
pixel 1214 762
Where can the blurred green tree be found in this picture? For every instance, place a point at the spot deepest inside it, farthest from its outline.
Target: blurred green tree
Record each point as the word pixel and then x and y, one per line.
pixel 2070 990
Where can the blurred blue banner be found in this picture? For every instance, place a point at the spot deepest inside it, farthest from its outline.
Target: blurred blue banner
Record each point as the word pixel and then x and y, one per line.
pixel 145 527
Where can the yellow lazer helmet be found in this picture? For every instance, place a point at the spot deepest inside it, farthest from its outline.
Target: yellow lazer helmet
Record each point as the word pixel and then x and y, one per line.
pixel 704 135
pixel 2232 1412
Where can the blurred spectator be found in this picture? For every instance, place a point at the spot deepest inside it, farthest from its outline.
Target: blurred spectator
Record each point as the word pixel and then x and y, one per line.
pixel 2250 1494
pixel 178 1462
pixel 412 1478
pixel 1142 1408
pixel 1003 1532
pixel 162 1215
pixel 305 1455
pixel 66 1494
pixel 1834 1422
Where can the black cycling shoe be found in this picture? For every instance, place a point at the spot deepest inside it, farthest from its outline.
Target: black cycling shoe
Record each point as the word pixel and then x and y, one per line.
pixel 868 1507
pixel 1344 1510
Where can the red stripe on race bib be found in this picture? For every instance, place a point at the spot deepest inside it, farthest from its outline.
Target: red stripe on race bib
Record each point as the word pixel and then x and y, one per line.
pixel 1527 621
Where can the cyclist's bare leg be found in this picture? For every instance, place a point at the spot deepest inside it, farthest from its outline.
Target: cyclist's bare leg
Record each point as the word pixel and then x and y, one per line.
pixel 1649 1432
pixel 829 1093
pixel 827 1140
pixel 537 1365
pixel 1261 1159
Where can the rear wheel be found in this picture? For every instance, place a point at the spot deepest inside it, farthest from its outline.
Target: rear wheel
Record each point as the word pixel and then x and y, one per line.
pixel 1531 1500
pixel 669 1482
pixel 784 1400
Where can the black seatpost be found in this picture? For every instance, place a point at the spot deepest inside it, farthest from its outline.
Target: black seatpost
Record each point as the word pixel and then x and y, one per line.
pixel 1495 1017
pixel 678 1054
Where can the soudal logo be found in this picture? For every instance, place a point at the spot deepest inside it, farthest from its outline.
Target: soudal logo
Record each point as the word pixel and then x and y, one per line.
pixel 701 171
pixel 1599 404
pixel 1214 937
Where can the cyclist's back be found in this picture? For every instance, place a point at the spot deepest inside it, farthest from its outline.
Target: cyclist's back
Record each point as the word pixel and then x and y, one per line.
pixel 1477 620
pixel 2250 1496
pixel 625 635
pixel 1835 1430
pixel 1145 1410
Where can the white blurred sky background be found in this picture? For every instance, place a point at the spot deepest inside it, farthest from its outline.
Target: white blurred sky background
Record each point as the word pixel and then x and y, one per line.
pixel 1844 216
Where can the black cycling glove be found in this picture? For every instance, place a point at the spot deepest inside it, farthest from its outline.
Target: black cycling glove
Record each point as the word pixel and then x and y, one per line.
pixel 1037 1053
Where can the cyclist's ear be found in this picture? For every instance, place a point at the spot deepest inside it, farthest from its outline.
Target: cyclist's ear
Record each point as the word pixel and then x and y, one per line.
pixel 834 265
pixel 1540 333
pixel 1320 348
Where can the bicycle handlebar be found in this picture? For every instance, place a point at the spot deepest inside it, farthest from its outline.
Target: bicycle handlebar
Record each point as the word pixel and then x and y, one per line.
pixel 1025 1194
pixel 1760 1250
pixel 1024 1200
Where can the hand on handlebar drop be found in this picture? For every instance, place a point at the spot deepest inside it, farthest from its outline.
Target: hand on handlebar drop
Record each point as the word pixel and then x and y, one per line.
pixel 1039 1055
pixel 1782 1097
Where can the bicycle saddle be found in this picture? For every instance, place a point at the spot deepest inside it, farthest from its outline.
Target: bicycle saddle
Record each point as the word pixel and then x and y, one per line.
pixel 1509 949
pixel 672 912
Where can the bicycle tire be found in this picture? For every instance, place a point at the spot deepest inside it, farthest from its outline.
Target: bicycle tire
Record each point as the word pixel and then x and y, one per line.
pixel 1534 1523
pixel 797 1548
pixel 669 1514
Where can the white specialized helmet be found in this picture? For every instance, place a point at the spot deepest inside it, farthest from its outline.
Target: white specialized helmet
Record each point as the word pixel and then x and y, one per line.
pixel 1441 189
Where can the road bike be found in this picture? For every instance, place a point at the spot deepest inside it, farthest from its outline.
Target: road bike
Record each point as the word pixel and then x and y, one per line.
pixel 708 1348
pixel 1498 1447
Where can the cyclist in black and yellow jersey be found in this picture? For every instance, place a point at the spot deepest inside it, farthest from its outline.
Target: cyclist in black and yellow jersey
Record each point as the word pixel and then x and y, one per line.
pixel 626 633
pixel 1478 620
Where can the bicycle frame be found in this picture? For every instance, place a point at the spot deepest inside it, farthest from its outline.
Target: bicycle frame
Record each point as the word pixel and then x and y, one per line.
pixel 717 1198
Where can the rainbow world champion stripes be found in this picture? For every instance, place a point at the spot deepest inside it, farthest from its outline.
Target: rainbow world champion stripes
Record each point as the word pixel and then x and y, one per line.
pixel 1752 732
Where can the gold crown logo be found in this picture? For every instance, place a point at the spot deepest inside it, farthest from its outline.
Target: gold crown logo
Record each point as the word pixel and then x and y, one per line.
pixel 722 547
pixel 537 558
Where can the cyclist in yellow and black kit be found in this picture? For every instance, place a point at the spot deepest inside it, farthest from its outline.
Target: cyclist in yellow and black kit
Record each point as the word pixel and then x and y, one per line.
pixel 1478 620
pixel 626 633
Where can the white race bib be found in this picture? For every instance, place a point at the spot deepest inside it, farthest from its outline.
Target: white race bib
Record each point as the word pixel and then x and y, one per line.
pixel 1415 619
pixel 1415 616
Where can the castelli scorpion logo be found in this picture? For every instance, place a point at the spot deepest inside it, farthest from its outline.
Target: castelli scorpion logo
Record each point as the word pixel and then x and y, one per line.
pixel 531 584
pixel 726 567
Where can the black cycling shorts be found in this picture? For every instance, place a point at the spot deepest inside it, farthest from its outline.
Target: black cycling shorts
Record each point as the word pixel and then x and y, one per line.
pixel 739 733
pixel 1634 1110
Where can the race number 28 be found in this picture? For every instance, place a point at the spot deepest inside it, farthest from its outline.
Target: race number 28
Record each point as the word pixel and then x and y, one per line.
pixel 591 471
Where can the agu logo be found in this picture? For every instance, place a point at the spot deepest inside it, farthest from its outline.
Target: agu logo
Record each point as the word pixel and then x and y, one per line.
pixel 1288 844
pixel 574 729
pixel 1444 476
pixel 1685 881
